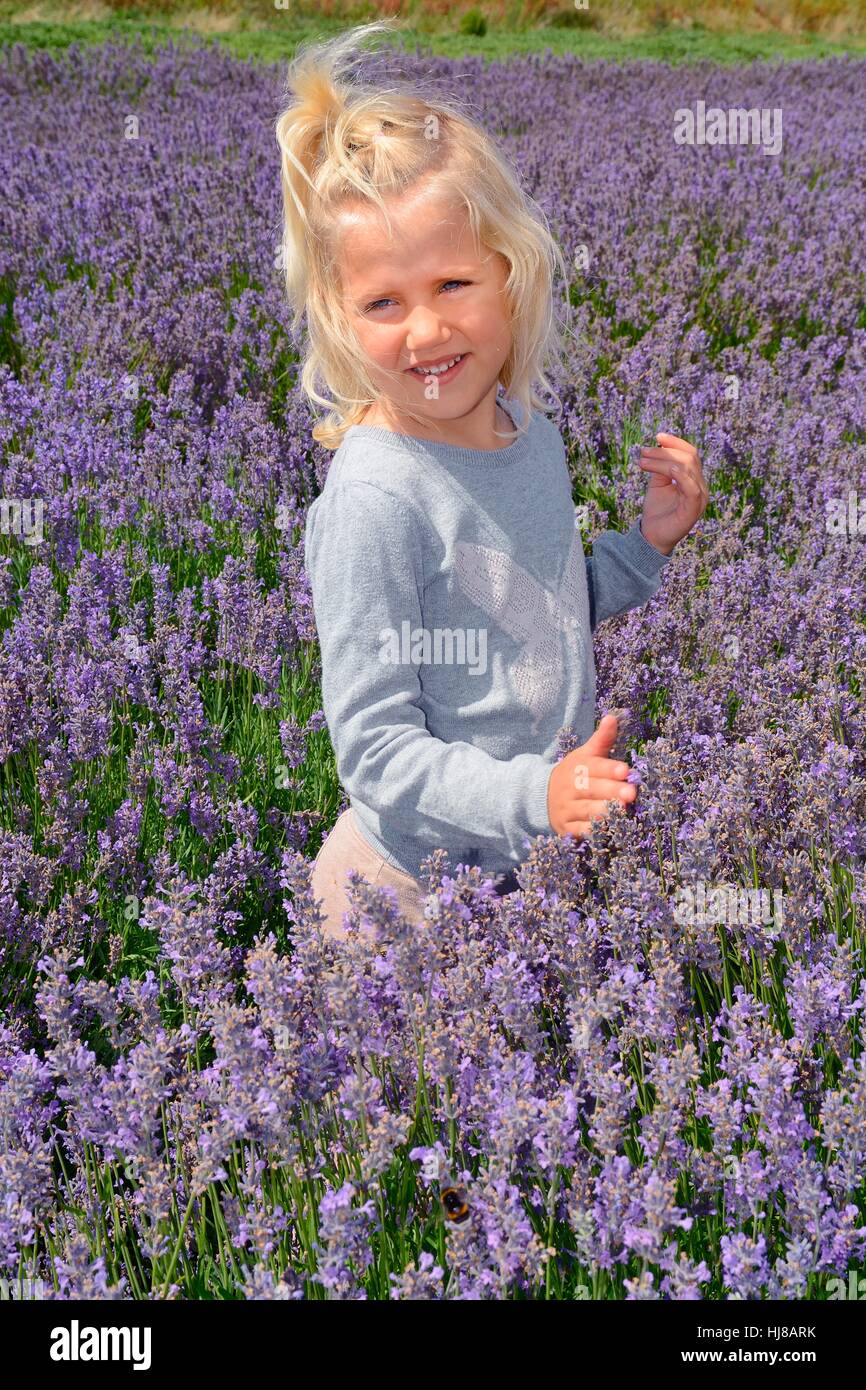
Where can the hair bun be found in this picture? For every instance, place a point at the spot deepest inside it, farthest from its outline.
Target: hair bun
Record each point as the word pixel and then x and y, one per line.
pixel 319 96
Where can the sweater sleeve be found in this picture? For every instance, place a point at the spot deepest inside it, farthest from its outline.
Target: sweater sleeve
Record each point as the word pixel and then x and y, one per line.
pixel 623 571
pixel 364 559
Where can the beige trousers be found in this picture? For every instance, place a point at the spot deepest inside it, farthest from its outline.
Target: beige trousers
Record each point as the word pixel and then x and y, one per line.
pixel 344 849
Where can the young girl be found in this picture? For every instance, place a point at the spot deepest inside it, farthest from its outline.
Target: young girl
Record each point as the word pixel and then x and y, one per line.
pixel 452 599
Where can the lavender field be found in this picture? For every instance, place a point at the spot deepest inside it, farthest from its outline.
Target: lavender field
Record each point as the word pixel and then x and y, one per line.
pixel 646 1068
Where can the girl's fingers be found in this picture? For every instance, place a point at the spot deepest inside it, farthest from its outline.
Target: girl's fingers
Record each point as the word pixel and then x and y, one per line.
pixel 691 463
pixel 685 480
pixel 604 788
pixel 579 828
pixel 597 766
pixel 673 460
pixel 676 441
pixel 606 773
pixel 665 451
pixel 580 812
pixel 672 464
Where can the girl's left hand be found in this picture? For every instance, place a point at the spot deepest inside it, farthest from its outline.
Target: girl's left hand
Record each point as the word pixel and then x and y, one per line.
pixel 677 494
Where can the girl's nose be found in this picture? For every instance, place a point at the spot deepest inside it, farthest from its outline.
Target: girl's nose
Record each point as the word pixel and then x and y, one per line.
pixel 423 325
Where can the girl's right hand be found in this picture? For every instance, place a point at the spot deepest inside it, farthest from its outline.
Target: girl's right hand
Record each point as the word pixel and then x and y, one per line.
pixel 584 784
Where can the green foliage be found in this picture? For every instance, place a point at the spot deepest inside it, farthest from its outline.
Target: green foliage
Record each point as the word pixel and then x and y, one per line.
pixel 473 22
pixel 575 19
pixel 10 349
pixel 281 31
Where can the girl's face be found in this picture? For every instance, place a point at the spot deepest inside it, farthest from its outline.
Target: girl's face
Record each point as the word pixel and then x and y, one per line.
pixel 423 296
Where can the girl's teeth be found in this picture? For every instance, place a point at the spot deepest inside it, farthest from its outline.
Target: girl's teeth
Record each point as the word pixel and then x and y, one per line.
pixel 437 371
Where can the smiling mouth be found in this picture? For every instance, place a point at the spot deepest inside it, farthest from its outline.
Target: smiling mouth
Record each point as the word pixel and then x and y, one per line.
pixel 443 370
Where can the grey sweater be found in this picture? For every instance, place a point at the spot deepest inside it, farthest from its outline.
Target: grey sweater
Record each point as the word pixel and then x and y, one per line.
pixel 454 608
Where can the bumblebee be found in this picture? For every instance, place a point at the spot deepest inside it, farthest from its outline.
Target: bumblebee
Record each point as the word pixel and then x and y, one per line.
pixel 455 1203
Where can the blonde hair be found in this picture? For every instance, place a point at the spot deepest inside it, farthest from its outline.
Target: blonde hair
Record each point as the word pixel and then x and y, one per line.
pixel 342 143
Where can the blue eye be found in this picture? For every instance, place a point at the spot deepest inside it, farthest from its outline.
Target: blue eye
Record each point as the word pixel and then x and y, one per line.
pixel 377 302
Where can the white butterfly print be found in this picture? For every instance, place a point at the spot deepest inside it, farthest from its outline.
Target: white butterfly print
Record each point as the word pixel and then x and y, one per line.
pixel 531 615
